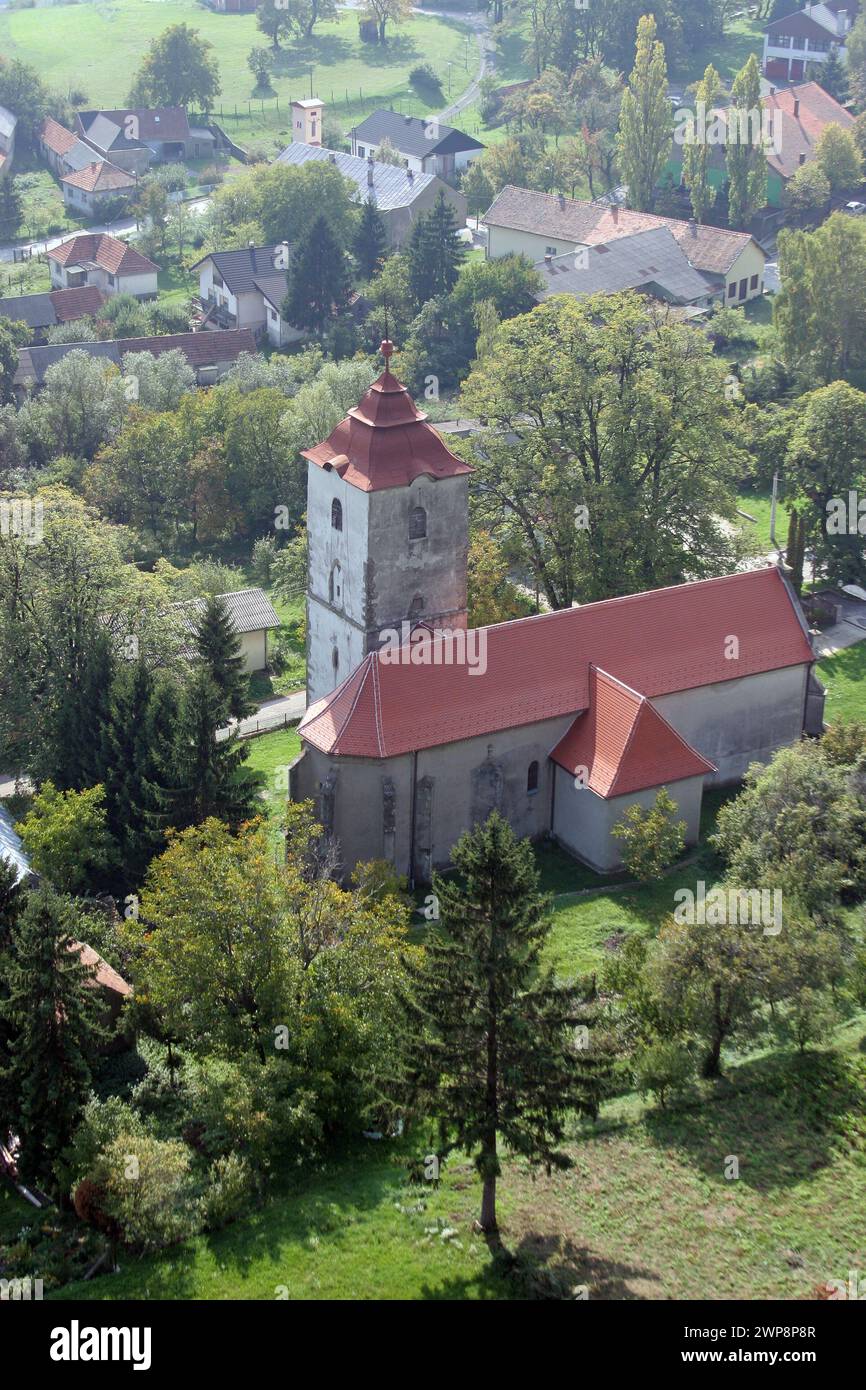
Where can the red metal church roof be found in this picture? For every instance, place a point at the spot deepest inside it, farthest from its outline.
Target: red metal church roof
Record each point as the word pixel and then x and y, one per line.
pixel 539 668
pixel 385 440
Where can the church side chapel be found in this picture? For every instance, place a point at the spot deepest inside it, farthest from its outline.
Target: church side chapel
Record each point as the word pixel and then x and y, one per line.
pixel 560 721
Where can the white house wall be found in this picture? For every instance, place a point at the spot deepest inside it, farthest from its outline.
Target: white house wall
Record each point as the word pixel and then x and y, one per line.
pixel 583 820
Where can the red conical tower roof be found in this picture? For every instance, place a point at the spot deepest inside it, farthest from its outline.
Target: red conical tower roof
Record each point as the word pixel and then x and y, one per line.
pixel 385 440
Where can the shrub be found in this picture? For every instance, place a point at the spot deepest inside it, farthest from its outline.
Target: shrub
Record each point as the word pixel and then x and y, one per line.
pixel 227 1195
pixel 264 551
pixel 664 1068
pixel 652 839
pixel 423 75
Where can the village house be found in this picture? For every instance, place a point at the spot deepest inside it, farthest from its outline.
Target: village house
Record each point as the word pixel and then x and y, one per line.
pixel 246 289
pixel 43 311
pixel 8 124
pixel 652 263
pixel 793 119
pixel 525 222
pixel 427 146
pixel 210 355
pixel 137 137
pixel 252 616
pixel 90 189
pixel 560 721
pixel 62 151
pixel 809 36
pixel 400 195
pixel 95 258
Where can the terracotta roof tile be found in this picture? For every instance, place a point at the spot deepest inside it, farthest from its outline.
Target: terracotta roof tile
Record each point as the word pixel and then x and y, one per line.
pixel 710 249
pixel 76 303
pixel 100 176
pixel 107 251
pixel 800 134
pixel 57 138
pixel 539 668
pixel 385 441
pixel 624 744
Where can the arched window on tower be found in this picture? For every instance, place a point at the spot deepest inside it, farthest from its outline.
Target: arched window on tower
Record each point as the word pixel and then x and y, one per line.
pixel 335 660
pixel 337 514
pixel 417 524
pixel 335 585
pixel 532 778
pixel 416 608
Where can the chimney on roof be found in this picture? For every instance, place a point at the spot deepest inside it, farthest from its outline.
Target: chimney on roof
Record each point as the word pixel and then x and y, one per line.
pixel 370 171
pixel 562 202
pixel 796 106
pixel 332 158
pixel 802 157
pixel 548 257
pixel 772 91
pixel 615 211
pixel 410 174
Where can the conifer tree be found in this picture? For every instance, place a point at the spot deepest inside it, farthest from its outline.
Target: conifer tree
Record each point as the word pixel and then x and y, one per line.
pixel 212 779
pixel 370 239
pixel 221 653
pixel 436 253
pixel 319 285
pixel 646 121
pixel 51 1012
pixel 493 1046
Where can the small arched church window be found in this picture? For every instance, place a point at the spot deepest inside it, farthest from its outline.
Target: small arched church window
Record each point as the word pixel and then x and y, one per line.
pixel 335 585
pixel 417 524
pixel 337 514
pixel 532 778
pixel 335 660
pixel 416 608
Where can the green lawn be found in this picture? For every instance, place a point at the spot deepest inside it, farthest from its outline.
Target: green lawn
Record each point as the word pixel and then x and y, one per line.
pixel 844 678
pixel 758 505
pixel 99 47
pixel 271 755
pixel 646 1212
pixel 42 210
pixel 742 37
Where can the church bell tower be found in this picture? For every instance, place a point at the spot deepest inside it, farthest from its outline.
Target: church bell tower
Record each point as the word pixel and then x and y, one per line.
pixel 388 530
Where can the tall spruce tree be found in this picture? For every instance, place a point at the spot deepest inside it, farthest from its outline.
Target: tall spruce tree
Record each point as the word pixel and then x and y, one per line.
pixel 492 1046
pixel 219 647
pixel 211 777
pixel 646 119
pixel 746 157
pixel 370 242
pixel 11 906
pixel 319 285
pixel 51 1012
pixel 436 253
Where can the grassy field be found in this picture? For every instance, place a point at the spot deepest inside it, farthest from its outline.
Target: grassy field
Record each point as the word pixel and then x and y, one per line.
pixel 98 47
pixel 645 1212
pixel 271 755
pixel 844 678
pixel 742 37
pixel 758 504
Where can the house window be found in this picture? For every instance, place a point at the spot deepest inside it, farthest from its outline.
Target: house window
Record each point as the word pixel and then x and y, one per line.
pixel 753 283
pixel 112 280
pixel 417 524
pixel 532 778
pixel 337 515
pixel 550 250
pixel 362 153
pixel 732 290
pixel 335 584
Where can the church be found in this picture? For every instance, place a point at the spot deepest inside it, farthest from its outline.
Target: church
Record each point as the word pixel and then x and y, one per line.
pixel 417 727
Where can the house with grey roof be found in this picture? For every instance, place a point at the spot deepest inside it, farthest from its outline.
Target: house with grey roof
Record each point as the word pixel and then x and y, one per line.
pixel 12 850
pixel 246 289
pixel 427 146
pixel 43 311
pixel 399 194
pixel 253 616
pixel 135 137
pixel 651 262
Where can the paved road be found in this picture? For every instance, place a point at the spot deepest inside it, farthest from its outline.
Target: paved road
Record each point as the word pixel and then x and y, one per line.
pixel 122 227
pixel 486 62
pixel 273 714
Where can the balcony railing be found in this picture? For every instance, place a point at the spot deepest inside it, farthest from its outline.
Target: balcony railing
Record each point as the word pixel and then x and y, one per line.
pixel 213 312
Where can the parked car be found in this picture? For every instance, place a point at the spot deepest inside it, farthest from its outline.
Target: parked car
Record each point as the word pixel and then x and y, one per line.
pixel 855 209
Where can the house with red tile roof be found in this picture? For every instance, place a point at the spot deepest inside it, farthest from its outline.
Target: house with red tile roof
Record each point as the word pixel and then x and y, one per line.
pixel 43 311
pixel 88 190
pixel 418 727
pixel 794 120
pixel 95 258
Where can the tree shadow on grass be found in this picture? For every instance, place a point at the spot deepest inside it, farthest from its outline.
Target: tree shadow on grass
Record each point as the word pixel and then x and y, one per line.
pixel 545 1267
pixel 783 1117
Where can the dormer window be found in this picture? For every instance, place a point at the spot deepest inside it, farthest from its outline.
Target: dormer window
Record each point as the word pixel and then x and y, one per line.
pixel 337 515
pixel 417 524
